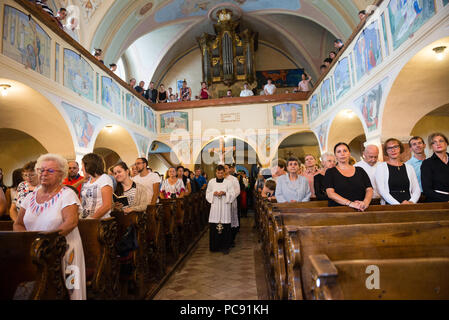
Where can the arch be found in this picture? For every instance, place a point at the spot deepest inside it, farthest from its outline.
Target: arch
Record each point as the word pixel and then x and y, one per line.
pixel 17 148
pixel 290 141
pixel 344 127
pixel 27 110
pixel 110 156
pixel 197 153
pixel 407 100
pixel 161 156
pixel 118 140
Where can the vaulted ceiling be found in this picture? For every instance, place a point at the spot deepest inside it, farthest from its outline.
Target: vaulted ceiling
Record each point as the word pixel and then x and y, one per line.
pixel 151 35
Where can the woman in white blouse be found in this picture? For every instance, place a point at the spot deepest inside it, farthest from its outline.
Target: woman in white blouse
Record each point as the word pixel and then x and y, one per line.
pixel 395 180
pixel 172 187
pixel 53 206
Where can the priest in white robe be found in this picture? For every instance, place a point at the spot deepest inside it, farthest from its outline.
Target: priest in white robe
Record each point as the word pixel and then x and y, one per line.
pixel 220 194
pixel 235 225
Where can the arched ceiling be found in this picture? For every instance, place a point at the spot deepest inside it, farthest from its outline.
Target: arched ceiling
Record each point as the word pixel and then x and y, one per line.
pixel 152 34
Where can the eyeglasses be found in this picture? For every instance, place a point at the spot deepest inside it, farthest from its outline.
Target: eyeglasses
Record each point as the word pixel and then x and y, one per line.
pixel 393 147
pixel 138 163
pixel 28 175
pixel 50 171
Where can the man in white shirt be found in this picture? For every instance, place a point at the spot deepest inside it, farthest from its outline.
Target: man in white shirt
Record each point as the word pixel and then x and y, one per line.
pixel 246 92
pixel 369 163
pixel 269 88
pixel 149 179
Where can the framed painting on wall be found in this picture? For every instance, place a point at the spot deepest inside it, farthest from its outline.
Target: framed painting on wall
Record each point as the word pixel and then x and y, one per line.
pixel 287 114
pixel 342 78
pixel 78 74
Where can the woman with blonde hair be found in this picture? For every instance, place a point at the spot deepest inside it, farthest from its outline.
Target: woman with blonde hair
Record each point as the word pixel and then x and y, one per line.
pixel 53 206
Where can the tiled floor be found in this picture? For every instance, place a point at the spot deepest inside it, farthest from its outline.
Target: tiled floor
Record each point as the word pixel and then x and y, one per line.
pixel 209 275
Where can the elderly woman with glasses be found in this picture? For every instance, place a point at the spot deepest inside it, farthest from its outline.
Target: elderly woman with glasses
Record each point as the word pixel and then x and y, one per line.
pixel 396 181
pixel 435 170
pixel 53 206
pixel 31 181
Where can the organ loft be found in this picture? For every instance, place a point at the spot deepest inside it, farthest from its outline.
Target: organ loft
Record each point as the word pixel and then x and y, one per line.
pixel 228 57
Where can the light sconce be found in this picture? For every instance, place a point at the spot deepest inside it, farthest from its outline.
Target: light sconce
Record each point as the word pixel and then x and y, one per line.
pixel 439 52
pixel 4 89
pixel 109 128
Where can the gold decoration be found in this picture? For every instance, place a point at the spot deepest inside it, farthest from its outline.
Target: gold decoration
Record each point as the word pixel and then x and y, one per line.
pixel 220 228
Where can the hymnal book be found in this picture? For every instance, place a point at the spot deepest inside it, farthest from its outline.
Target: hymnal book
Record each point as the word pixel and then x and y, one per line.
pixel 121 199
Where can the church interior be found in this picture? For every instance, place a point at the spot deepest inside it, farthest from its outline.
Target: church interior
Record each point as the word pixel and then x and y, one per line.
pixel 226 86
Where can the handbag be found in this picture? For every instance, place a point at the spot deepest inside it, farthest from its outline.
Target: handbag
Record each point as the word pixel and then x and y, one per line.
pixel 128 242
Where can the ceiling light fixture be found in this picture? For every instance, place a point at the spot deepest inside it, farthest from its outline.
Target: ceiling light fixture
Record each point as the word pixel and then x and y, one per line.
pixel 109 128
pixel 439 52
pixel 4 89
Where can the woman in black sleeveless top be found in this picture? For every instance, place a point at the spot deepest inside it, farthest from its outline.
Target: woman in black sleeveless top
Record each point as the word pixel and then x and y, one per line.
pixel 161 94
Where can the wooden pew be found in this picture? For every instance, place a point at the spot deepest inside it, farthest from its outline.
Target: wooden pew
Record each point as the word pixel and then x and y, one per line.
pixel 171 230
pixel 99 238
pixel 6 225
pixel 34 258
pixel 409 240
pixel 275 249
pixel 140 257
pixel 409 278
pixel 156 240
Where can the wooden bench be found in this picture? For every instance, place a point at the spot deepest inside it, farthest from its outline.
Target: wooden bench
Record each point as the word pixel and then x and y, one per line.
pixel 34 258
pixel 171 230
pixel 275 248
pixel 140 257
pixel 409 278
pixel 156 240
pixel 99 238
pixel 408 240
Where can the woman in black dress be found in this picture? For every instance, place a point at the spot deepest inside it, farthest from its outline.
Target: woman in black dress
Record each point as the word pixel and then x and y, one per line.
pixel 345 184
pixel 162 94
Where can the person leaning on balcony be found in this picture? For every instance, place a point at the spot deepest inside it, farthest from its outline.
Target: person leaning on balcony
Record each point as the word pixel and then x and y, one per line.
pixel 338 44
pixel 435 170
pixel 162 94
pixel 43 5
pixel 140 88
pixel 132 82
pixel 304 84
pixel 345 184
pixel 246 92
pixel 185 92
pixel 323 68
pixel 269 88
pixel 204 92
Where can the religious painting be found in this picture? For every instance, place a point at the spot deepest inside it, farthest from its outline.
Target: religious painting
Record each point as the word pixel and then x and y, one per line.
pixel 57 63
pixel 314 108
pixel 321 132
pixel 142 143
pixel 367 50
pixel 288 114
pixel 84 124
pixel 25 41
pixel 407 16
pixel 174 120
pixel 133 108
pixel 369 105
pixel 89 7
pixel 78 74
pixel 445 2
pixel 384 28
pixel 148 119
pixel 179 9
pixel 342 78
pixel 326 95
pixel 110 95
pixel 281 78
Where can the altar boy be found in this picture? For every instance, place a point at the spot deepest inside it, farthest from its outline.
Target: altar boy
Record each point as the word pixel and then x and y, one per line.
pixel 220 194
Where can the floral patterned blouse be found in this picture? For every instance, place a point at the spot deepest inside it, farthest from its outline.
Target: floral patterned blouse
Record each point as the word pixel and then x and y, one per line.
pixel 167 189
pixel 23 189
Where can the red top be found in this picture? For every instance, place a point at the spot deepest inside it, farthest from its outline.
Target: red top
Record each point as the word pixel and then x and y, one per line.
pixel 71 182
pixel 204 94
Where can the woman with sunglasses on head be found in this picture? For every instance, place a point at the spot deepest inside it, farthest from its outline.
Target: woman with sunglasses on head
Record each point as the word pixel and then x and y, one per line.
pixel 136 195
pixel 53 206
pixel 395 180
pixel 435 170
pixel 172 187
pixel 31 182
pixel 345 184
